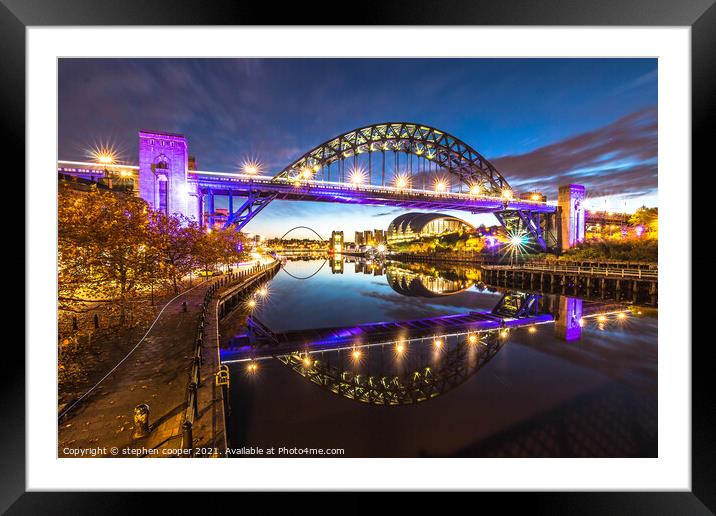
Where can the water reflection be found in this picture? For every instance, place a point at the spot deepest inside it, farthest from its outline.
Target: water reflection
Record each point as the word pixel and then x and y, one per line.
pixel 409 282
pixel 545 387
pixel 403 372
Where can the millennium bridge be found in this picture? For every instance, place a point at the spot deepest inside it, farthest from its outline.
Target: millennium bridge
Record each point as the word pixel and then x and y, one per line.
pixel 400 164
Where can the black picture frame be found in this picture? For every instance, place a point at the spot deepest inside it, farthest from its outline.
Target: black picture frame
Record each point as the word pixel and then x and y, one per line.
pixel 700 15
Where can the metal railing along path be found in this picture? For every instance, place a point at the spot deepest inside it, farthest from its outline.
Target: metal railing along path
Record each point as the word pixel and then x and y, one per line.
pixel 192 397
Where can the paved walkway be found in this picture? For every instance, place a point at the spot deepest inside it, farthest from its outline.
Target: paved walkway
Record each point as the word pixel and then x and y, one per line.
pixel 209 429
pixel 156 373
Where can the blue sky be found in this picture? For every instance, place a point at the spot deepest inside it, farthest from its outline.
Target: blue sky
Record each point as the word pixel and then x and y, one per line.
pixel 542 122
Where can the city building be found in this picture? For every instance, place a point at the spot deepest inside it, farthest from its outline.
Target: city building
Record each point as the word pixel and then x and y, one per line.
pixel 379 236
pixel 414 226
pixel 368 239
pixel 337 242
pixel 358 239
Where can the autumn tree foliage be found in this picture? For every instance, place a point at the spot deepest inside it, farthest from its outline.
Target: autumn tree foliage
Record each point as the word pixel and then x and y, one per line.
pixel 648 218
pixel 104 249
pixel 217 247
pixel 112 250
pixel 174 240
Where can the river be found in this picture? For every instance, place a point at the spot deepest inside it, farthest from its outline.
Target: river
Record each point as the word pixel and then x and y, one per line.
pixel 531 394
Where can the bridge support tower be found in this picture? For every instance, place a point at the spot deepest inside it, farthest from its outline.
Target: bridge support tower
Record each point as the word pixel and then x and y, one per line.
pixel 163 166
pixel 571 205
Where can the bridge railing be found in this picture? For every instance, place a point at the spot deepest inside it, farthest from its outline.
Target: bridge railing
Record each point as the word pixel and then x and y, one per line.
pixel 608 264
pixel 368 188
pixel 594 271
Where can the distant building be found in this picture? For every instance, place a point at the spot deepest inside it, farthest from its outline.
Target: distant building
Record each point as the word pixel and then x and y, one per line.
pixel 337 242
pixel 359 239
pixel 414 226
pixel 368 238
pixel 379 236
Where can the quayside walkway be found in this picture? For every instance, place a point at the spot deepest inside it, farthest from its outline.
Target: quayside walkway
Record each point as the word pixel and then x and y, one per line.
pixel 155 373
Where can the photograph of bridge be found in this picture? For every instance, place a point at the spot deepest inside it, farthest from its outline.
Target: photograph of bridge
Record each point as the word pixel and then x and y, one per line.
pixel 357 258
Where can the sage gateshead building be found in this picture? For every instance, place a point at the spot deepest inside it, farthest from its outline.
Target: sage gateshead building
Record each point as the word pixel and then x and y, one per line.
pixel 414 226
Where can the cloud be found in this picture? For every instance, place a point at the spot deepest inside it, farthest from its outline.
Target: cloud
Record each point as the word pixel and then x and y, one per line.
pixel 617 159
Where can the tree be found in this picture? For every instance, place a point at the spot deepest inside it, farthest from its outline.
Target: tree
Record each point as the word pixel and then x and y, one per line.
pixel 648 218
pixel 219 246
pixel 104 253
pixel 174 238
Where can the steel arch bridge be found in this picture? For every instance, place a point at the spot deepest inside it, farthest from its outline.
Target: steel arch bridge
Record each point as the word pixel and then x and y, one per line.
pixel 447 152
pixel 418 385
pixel 303 227
pixel 383 164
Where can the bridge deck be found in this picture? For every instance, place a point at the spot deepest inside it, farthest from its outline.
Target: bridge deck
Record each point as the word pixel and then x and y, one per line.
pixel 323 191
pixel 270 344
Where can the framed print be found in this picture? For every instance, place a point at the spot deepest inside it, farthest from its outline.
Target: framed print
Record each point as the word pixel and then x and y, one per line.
pixel 456 242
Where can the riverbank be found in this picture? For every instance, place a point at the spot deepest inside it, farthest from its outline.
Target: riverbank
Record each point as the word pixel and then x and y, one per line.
pixel 155 373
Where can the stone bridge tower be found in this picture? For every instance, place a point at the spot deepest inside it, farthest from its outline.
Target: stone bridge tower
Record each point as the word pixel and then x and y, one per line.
pixel 163 166
pixel 571 203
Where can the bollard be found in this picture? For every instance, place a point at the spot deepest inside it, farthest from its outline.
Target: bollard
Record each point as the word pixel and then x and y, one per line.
pixel 183 306
pixel 187 438
pixel 96 321
pixel 141 421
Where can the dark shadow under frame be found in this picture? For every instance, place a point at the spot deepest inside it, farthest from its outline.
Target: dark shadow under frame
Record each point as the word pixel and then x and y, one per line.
pixel 16 15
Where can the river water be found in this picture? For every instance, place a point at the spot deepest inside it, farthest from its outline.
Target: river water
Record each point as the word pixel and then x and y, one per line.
pixel 531 394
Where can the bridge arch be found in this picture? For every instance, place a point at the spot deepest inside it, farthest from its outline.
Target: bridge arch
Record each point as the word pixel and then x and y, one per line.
pixel 303 227
pixel 416 385
pixel 442 151
pixel 283 268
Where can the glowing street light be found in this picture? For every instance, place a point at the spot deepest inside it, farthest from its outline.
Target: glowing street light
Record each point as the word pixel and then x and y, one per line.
pixel 472 339
pixel 440 185
pixel 105 155
pixel 307 173
pixel 438 343
pixel 475 189
pixel 251 167
pixel 307 361
pixel 532 329
pixel 356 354
pixel 400 348
pixel 401 181
pixel 602 318
pixel 621 315
pixel 357 176
pixel 252 367
pixel 251 303
pixel 507 193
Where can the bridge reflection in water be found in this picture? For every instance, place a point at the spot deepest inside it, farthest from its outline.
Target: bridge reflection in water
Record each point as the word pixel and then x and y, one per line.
pixel 359 386
pixel 411 361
